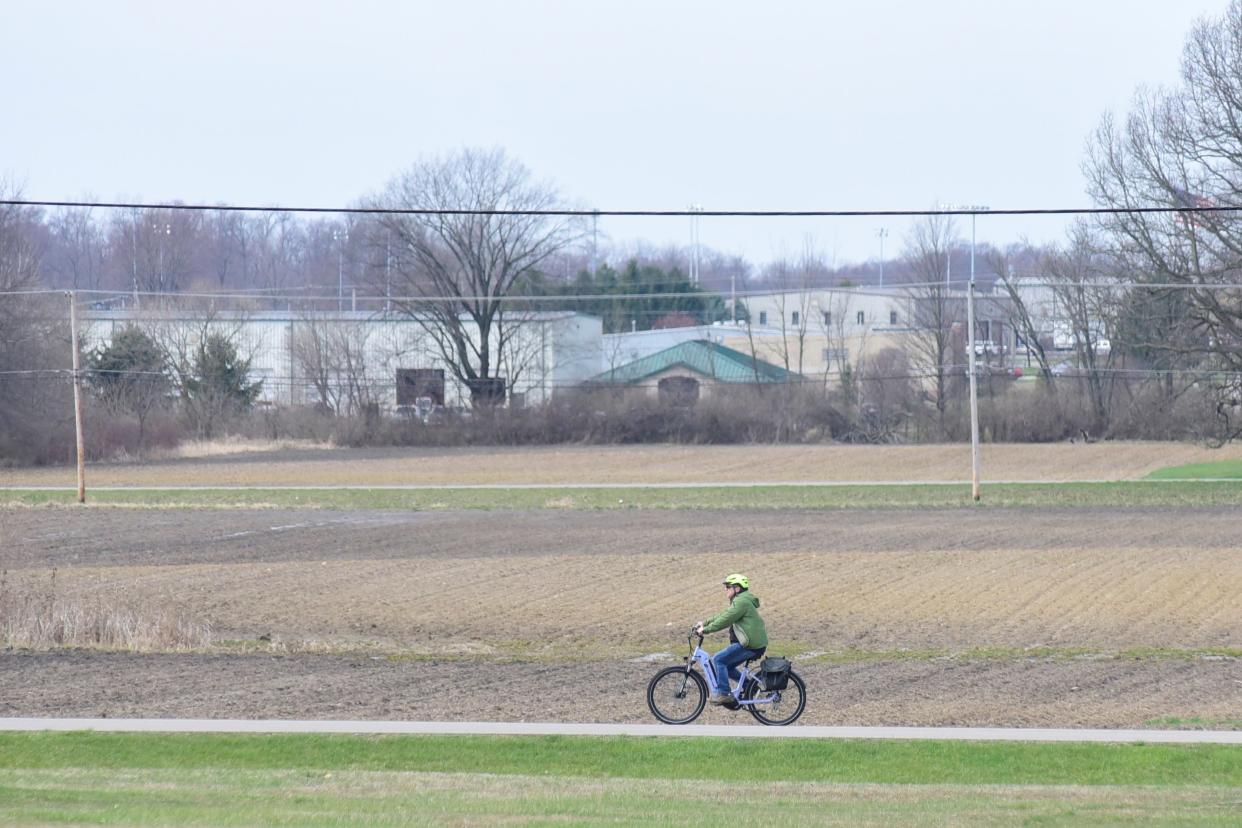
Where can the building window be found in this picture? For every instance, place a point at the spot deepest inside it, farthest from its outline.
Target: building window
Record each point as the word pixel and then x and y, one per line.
pixel 892 317
pixel 795 318
pixel 827 318
pixel 837 355
pixel 763 317
pixel 862 318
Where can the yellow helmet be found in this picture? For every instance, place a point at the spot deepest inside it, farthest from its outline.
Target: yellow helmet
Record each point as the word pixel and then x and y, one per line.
pixel 737 579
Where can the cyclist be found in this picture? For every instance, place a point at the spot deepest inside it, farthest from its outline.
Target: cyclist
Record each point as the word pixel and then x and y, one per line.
pixel 748 637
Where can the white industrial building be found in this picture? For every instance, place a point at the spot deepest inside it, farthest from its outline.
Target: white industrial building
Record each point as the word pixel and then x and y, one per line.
pixel 545 351
pixel 328 357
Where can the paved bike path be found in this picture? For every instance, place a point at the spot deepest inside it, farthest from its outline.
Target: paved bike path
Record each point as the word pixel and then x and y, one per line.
pixel 982 734
pixel 705 484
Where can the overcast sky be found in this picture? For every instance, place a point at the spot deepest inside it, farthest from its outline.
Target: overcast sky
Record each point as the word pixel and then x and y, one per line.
pixel 621 105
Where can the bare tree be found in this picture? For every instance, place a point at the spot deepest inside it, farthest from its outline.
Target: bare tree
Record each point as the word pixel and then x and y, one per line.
pixel 885 392
pixel 20 255
pixel 521 342
pixel 724 273
pixel 34 344
pixel 78 253
pixel 936 314
pixel 316 361
pixel 459 266
pixel 1087 306
pixel 794 301
pixel 1182 148
pixel 219 228
pixel 279 246
pixel 155 248
pixel 832 314
pixel 192 334
pixel 332 355
pixel 1016 311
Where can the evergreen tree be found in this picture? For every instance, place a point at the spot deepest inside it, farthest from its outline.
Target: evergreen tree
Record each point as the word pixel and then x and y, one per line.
pixel 130 374
pixel 219 385
pixel 636 297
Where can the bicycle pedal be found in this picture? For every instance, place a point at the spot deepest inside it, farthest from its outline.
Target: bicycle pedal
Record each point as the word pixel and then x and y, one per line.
pixel 731 705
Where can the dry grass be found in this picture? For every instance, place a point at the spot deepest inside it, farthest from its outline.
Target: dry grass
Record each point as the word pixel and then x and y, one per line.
pixel 289 464
pixel 232 445
pixel 34 616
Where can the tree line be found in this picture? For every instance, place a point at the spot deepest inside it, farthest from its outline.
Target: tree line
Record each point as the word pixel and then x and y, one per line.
pixel 1160 288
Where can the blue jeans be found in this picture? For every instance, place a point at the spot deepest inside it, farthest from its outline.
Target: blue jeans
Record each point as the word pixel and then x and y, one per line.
pixel 726 662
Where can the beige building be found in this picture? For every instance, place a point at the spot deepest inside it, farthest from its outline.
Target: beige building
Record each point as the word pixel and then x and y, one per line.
pixel 817 332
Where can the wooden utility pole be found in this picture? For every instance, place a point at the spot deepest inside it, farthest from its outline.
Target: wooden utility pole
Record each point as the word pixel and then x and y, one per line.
pixel 77 394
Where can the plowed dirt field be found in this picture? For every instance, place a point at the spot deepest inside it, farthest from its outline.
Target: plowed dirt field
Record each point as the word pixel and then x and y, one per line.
pixel 1026 616
pixel 977 693
pixel 554 465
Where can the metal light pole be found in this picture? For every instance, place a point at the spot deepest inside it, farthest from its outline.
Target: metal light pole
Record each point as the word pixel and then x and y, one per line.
pixel 882 232
pixel 161 230
pixel 340 236
pixel 594 242
pixel 694 243
pixel 733 294
pixel 133 237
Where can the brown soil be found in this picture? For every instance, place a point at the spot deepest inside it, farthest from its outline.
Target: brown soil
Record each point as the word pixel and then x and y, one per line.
pixel 1023 693
pixel 571 597
pixel 623 583
pixel 638 464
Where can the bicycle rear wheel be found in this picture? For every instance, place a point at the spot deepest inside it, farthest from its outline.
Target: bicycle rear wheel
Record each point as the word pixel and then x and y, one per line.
pixel 786 705
pixel 675 696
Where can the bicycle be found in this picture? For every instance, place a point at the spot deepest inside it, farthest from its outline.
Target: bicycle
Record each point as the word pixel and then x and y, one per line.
pixel 677 695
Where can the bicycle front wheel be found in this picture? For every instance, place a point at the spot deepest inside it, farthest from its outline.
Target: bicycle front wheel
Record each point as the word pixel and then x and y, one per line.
pixel 784 708
pixel 675 696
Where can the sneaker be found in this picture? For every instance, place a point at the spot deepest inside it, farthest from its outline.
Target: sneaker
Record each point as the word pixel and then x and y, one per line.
pixel 717 698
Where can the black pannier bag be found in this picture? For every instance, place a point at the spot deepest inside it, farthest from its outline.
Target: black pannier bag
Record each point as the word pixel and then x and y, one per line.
pixel 776 672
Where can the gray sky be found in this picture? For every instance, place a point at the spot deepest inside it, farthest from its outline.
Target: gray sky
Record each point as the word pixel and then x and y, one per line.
pixel 622 105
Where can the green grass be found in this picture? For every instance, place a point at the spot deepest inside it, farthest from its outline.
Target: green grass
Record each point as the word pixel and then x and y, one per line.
pixel 1195 723
pixel 702 758
pixel 1223 470
pixel 1129 493
pixel 83 796
pixel 167 779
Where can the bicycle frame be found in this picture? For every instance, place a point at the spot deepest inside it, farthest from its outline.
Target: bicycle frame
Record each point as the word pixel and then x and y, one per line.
pixel 705 663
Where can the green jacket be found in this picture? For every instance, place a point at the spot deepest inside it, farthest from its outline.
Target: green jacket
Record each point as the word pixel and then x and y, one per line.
pixel 743 616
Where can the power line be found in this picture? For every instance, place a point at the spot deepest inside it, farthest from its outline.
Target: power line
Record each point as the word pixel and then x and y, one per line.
pixel 896 291
pixel 818 378
pixel 426 211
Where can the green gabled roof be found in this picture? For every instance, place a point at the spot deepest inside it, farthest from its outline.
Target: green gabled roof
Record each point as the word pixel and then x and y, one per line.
pixel 710 359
